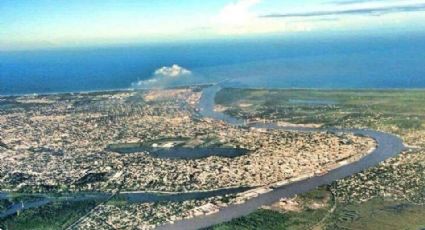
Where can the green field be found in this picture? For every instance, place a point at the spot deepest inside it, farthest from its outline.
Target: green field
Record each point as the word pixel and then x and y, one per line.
pixel 378 214
pixel 53 216
pixel 404 109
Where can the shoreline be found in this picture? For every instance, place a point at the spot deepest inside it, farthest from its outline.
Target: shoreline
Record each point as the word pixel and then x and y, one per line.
pixel 129 89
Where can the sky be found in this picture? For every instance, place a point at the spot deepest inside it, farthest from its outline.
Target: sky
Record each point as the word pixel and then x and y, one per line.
pixel 35 24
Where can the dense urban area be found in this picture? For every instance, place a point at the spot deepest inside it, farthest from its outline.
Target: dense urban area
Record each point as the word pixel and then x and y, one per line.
pixel 109 142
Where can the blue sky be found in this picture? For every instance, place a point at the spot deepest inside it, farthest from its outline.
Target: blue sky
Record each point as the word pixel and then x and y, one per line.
pixel 31 24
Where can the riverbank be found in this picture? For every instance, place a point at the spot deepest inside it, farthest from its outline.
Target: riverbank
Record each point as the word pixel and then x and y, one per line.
pixel 211 172
pixel 387 146
pixel 396 184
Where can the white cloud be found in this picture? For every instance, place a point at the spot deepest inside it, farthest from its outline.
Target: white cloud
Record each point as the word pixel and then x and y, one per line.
pixel 164 76
pixel 244 17
pixel 239 18
pixel 172 71
pixel 237 13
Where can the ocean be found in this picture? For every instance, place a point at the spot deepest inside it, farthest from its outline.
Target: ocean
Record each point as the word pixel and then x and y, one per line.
pixel 396 61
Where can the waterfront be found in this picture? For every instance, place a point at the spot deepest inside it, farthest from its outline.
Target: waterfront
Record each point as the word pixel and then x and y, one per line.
pixel 388 145
pixel 206 108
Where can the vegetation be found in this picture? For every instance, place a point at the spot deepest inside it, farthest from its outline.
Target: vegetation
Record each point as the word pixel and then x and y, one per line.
pixel 378 214
pixel 399 109
pixel 14 198
pixel 56 215
pixel 305 218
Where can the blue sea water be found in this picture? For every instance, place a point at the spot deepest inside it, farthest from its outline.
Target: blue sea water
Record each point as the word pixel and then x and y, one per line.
pixel 319 62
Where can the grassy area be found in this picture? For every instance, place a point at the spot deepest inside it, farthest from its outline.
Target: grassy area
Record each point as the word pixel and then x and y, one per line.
pixel 378 214
pixel 397 101
pixel 268 219
pixel 53 216
pixel 404 109
pixel 305 218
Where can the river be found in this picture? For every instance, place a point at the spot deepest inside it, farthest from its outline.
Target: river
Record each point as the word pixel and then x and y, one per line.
pixel 388 145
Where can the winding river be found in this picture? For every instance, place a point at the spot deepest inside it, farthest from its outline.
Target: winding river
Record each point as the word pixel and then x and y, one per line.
pixel 388 145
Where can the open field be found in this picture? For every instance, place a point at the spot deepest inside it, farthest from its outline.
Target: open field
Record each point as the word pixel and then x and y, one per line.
pixel 395 110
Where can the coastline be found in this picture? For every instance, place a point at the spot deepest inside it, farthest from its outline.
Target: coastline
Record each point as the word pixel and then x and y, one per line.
pixel 130 89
